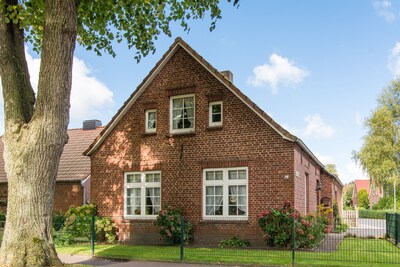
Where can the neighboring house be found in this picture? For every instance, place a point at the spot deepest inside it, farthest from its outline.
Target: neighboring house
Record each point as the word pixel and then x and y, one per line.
pixel 73 178
pixel 188 138
pixel 374 193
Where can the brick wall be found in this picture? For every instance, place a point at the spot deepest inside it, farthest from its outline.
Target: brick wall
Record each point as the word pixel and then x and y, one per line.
pixel 244 140
pixel 306 169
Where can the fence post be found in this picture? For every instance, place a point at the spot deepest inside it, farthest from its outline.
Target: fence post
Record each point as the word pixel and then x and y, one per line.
pixel 92 235
pixel 387 224
pixel 182 237
pixel 396 229
pixel 293 240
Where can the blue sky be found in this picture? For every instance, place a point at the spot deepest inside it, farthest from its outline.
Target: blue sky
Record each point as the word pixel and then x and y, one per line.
pixel 316 67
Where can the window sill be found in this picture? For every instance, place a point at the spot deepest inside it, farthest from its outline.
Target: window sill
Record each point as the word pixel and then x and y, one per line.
pixel 215 128
pixel 224 221
pixel 149 134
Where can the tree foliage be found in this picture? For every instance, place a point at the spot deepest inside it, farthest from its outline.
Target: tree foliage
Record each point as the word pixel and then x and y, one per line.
pixel 331 168
pixel 363 200
pixel 379 155
pixel 348 201
pixel 101 22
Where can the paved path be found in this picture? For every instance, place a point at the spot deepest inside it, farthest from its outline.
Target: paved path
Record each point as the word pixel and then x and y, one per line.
pixel 330 243
pixel 92 261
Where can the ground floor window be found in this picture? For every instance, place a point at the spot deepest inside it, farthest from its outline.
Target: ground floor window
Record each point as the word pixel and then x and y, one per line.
pixel 142 194
pixel 225 193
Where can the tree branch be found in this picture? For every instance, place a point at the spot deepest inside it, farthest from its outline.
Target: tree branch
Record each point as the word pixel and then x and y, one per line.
pixel 19 97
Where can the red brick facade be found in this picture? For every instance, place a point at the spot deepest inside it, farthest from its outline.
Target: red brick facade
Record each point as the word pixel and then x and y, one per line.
pixel 244 140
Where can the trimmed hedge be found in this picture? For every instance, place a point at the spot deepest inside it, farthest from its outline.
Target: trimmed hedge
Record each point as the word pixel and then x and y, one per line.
pixel 374 214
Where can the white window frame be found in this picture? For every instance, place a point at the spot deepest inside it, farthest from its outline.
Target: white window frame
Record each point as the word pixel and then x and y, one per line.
pixel 142 185
pixel 210 122
pixel 171 114
pixel 150 130
pixel 225 183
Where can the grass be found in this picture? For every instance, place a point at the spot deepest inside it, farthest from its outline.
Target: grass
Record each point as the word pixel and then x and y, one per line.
pixel 352 251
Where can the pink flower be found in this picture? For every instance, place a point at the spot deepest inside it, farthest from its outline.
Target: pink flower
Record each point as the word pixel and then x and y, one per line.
pixel 310 236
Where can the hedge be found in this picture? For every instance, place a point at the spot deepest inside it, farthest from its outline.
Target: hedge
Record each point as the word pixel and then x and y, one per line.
pixel 374 214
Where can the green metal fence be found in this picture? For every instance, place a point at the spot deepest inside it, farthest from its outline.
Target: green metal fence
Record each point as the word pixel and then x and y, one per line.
pixel 370 243
pixel 393 227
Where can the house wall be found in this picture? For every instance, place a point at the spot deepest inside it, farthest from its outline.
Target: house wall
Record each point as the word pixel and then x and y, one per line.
pixel 305 169
pixel 244 140
pixel 66 194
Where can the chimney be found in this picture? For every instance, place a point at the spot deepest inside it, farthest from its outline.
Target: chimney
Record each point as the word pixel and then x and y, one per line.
pixel 228 75
pixel 91 124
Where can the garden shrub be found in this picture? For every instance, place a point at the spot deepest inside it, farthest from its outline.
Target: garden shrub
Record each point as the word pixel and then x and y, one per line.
pixel 374 214
pixel 77 226
pixel 277 226
pixel 168 223
pixel 58 220
pixel 234 242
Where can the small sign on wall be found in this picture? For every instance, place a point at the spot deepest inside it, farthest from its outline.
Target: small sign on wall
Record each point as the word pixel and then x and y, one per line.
pixel 297 174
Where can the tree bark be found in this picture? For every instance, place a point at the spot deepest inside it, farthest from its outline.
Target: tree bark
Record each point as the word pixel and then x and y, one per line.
pixel 35 135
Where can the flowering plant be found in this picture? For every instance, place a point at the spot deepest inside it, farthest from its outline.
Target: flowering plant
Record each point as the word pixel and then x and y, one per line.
pixel 277 226
pixel 168 223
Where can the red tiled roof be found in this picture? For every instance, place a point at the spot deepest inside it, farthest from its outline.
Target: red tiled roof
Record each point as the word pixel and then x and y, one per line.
pixel 362 184
pixel 73 164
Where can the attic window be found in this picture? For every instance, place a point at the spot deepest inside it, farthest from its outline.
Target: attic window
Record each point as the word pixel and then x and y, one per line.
pixel 151 121
pixel 215 113
pixel 182 113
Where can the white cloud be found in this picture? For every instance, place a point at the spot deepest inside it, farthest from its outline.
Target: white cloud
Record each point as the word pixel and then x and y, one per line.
pixel 384 9
pixel 89 96
pixel 279 70
pixel 317 128
pixel 394 60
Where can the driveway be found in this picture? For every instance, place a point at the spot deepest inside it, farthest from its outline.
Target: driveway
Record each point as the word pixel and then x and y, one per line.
pixel 369 227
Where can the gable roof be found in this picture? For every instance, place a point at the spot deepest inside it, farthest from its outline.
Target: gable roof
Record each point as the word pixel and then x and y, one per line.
pixel 362 184
pixel 73 165
pixel 179 43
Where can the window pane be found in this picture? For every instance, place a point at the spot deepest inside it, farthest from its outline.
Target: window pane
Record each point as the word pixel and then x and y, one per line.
pixel 151 124
pixel 177 103
pixel 209 190
pixel 218 175
pixel 216 118
pixel 152 116
pixel 210 176
pixel 210 200
pixel 189 112
pixel 216 108
pixel 218 191
pixel 177 114
pixel 152 201
pixel 242 190
pixel 156 177
pixel 242 174
pixel 232 175
pixel 133 178
pixel 189 123
pixel 189 102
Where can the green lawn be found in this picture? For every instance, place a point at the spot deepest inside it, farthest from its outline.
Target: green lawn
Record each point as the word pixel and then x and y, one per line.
pixel 353 252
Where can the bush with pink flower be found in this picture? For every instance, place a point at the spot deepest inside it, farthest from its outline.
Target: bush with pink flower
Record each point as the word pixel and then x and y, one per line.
pixel 277 226
pixel 168 223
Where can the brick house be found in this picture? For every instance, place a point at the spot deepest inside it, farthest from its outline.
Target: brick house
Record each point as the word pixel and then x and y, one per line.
pixel 73 178
pixel 187 137
pixel 374 192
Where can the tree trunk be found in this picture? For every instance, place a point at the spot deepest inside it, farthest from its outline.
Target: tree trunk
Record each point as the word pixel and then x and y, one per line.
pixel 35 135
